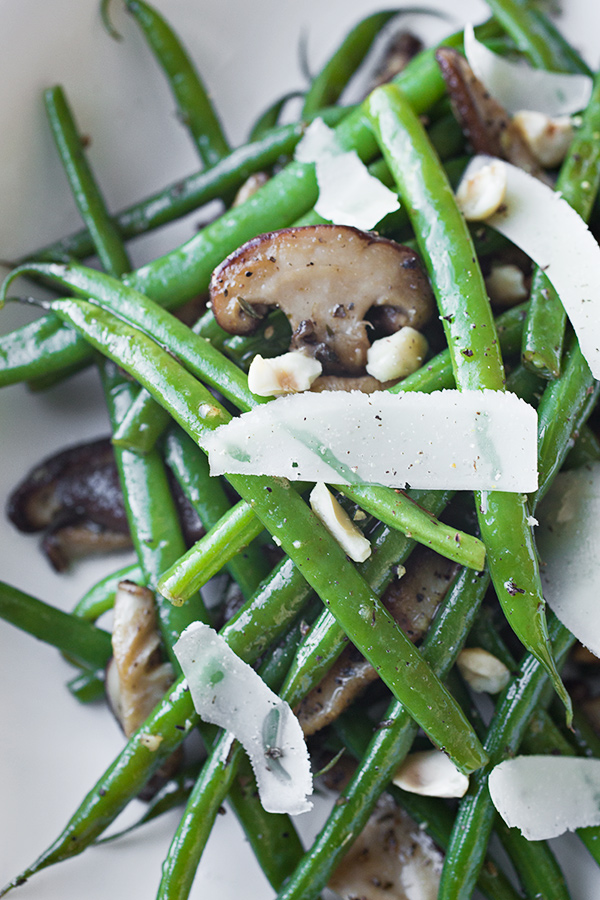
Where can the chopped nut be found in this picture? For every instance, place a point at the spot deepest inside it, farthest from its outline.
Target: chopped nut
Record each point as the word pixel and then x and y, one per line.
pixel 482 670
pixel 506 285
pixel 151 741
pixel 432 774
pixel 481 192
pixel 339 524
pixel 286 374
pixel 397 355
pixel 548 139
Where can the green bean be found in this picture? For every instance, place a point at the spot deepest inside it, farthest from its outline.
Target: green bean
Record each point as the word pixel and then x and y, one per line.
pixel 367 622
pixel 152 518
pixel 326 87
pixel 536 865
pixel 149 505
pixel 39 349
pixel 105 237
pixel 232 533
pixel 388 746
pixel 436 819
pixel 101 596
pixel 564 407
pixel 476 812
pixel 171 795
pixel 449 255
pixel 565 56
pixel 87 687
pixel 326 640
pixel 82 641
pixel 193 103
pixel 210 501
pixel 578 183
pixel 270 117
pixel 530 38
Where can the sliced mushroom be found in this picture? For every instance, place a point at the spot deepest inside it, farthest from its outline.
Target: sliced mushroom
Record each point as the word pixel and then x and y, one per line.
pixel 486 123
pixel 64 544
pixel 82 480
pixel 400 50
pixel 391 858
pixel 365 383
pixel 76 495
pixel 412 600
pixel 325 278
pixel 137 678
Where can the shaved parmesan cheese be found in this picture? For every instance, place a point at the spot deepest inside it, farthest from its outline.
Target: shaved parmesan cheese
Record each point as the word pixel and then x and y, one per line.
pixel 228 692
pixel 446 439
pixel 547 229
pixel 337 521
pixel 348 193
pixel 544 796
pixel 432 774
pixel 518 86
pixel 569 545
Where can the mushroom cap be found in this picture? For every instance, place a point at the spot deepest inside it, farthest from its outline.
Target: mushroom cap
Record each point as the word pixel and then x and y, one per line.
pixel 325 278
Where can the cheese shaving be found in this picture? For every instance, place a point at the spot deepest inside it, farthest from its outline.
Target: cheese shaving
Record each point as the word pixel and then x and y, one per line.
pixel 228 692
pixel 544 796
pixel 569 545
pixel 446 439
pixel 348 193
pixel 555 237
pixel 519 86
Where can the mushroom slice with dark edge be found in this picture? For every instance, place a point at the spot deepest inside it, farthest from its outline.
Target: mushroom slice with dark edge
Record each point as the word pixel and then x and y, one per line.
pixel 137 678
pixel 412 600
pixel 486 124
pixel 81 480
pixel 325 278
pixel 391 858
pixel 76 495
pixel 63 544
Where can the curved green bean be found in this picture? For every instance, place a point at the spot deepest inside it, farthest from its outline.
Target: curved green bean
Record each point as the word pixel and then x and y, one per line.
pixel 450 258
pixel 86 644
pixel 193 103
pixel 326 87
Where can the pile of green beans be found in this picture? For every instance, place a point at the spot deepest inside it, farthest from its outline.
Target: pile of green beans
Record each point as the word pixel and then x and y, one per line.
pixel 166 385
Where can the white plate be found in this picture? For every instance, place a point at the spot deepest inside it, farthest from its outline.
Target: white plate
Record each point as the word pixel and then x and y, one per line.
pixel 51 749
